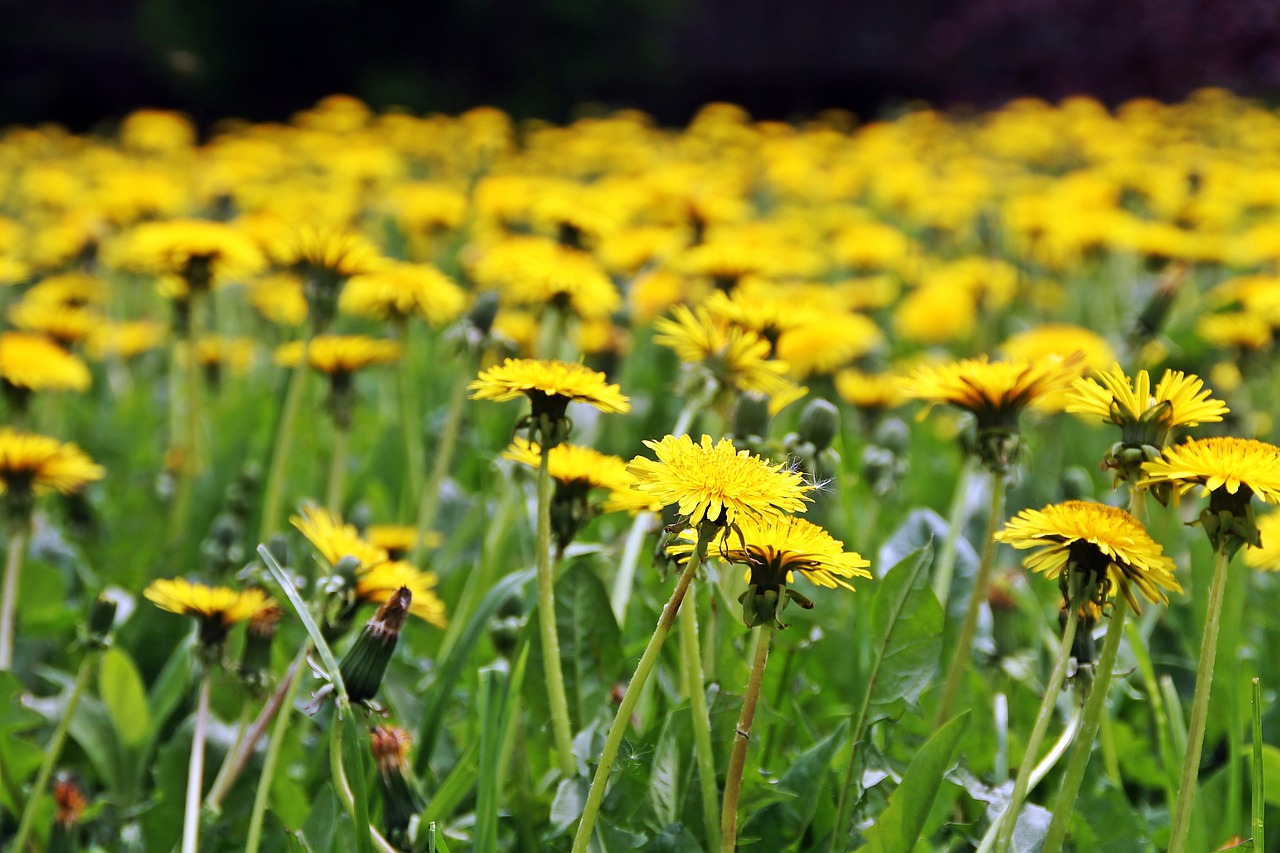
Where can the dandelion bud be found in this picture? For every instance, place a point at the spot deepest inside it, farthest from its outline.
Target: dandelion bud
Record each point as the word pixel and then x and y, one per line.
pixel 1156 311
pixel 366 661
pixel 483 311
pixel 819 424
pixel 401 797
pixel 102 615
pixel 752 416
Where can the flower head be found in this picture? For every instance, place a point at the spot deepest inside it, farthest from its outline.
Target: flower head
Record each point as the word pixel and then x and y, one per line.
pixel 202 253
pixel 35 363
pixel 735 357
pixel 716 483
pixel 334 539
pixel 32 464
pixel 1267 556
pixel 576 470
pixel 550 387
pixel 216 607
pixel 1108 546
pixel 774 549
pixel 398 291
pixel 1220 464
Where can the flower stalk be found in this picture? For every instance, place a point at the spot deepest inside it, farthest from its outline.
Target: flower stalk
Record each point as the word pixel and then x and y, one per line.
pixel 195 771
pixel 695 685
pixel 622 719
pixel 14 551
pixel 741 736
pixel 1021 785
pixel 1199 705
pixel 552 671
pixel 273 493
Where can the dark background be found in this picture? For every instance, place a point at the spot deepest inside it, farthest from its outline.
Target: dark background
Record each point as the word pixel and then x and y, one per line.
pixel 79 62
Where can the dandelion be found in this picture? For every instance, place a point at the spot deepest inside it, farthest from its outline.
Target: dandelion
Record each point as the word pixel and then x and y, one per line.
pixel 398 291
pixel 1096 552
pixel 576 470
pixel 550 387
pixel 401 797
pixel 1231 471
pixel 216 608
pixel 732 357
pixel 30 363
pixel 1266 557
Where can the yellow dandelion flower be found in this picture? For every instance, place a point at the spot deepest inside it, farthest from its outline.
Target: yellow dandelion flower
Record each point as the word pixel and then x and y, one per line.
pixel 334 540
pixel 1111 548
pixel 216 607
pixel 935 316
pixel 340 354
pixel 994 391
pixel 157 132
pixel 201 252
pixel 35 363
pixel 280 299
pixel 68 325
pixel 1180 399
pixel 535 271
pixel 573 465
pixel 1237 330
pixel 37 464
pixel 872 392
pixel 716 483
pixel 736 357
pixel 1231 465
pixel 1060 340
pixel 767 311
pixel 823 347
pixel 1267 557
pixel 378 583
pixel 399 539
pixel 234 353
pixel 550 385
pixel 402 290
pixel 70 290
pixel 312 250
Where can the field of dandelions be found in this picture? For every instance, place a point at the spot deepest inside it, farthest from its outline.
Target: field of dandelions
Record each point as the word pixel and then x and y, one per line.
pixel 384 482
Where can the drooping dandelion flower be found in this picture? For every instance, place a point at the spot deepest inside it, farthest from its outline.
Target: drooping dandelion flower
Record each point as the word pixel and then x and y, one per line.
pixel 716 482
pixel 1109 547
pixel 324 259
pixel 576 470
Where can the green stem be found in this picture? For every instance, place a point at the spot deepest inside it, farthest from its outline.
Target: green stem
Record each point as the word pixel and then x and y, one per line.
pixel 1081 751
pixel 223 780
pixel 337 469
pixel 238 757
pixel 195 772
pixel 1050 700
pixel 52 752
pixel 552 671
pixel 14 551
pixel 263 791
pixel 981 583
pixel 429 502
pixel 1159 717
pixel 622 719
pixel 695 685
pixel 944 571
pixel 273 495
pixel 1258 802
pixel 741 735
pixel 1199 707
pixel 1234 710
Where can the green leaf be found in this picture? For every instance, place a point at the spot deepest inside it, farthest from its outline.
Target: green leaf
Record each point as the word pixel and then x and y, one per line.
pixel 664 777
pixel 783 823
pixel 906 626
pixel 435 839
pixel 899 826
pixel 1270 773
pixel 121 689
pixel 19 756
pixel 318 830
pixel 354 745
pixel 493 690
pixel 590 646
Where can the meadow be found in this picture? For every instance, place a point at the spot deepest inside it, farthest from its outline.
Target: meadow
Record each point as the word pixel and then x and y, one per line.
pixel 374 481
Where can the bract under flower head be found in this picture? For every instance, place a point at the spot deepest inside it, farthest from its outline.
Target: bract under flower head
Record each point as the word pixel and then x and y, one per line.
pixel 716 483
pixel 1107 544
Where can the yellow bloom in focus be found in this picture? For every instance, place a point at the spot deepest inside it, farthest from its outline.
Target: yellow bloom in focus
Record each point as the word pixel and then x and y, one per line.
pixel 1108 545
pixel 35 363
pixel 37 464
pixel 1267 557
pixel 573 464
pixel 782 545
pixel 216 607
pixel 340 354
pixel 736 357
pixel 1219 464
pixel 401 290
pixel 543 379
pixel 716 483
pixel 1179 400
pixel 376 584
pixel 334 539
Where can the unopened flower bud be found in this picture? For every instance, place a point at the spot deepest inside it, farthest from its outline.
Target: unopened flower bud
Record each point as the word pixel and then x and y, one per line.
pixel 752 416
pixel 366 661
pixel 483 311
pixel 102 615
pixel 255 662
pixel 819 424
